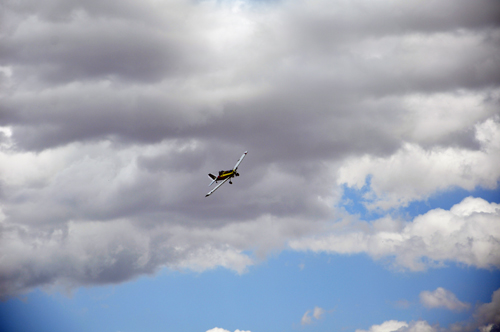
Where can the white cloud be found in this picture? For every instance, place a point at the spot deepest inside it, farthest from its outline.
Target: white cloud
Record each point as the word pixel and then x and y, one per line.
pixel 306 318
pixel 218 329
pixel 414 173
pixel 442 298
pixel 388 326
pixel 317 313
pixel 468 233
pixel 398 326
pixel 437 115
pixel 419 326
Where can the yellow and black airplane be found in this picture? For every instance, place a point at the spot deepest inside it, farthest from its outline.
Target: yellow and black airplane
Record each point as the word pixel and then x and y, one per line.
pixel 224 176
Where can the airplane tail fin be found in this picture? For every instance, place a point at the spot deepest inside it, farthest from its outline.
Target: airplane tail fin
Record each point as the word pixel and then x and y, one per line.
pixel 213 178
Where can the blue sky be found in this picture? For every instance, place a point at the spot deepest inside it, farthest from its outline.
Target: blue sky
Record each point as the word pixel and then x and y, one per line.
pixel 369 200
pixel 272 296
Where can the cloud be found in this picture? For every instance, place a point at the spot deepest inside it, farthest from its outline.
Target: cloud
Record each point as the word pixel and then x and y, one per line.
pixel 388 326
pixel 393 326
pixel 317 313
pixel 468 233
pixel 252 57
pixel 489 313
pixel 414 173
pixel 306 318
pixel 218 329
pixel 490 328
pixel 486 317
pixel 419 326
pixel 112 113
pixel 442 298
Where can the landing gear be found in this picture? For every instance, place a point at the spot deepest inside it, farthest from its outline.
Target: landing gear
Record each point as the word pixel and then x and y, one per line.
pixel 237 174
pixel 230 182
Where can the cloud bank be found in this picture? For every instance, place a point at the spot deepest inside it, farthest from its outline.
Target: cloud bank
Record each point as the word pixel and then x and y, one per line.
pixel 468 233
pixel 113 112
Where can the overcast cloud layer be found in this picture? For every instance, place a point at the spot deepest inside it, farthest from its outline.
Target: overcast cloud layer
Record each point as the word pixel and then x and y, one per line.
pixel 113 112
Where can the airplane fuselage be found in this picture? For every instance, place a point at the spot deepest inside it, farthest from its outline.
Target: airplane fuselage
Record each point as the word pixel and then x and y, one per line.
pixel 225 174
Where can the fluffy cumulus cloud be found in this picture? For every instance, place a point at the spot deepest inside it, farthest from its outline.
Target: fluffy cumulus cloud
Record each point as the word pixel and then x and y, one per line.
pixel 468 233
pixel 113 112
pixel 414 173
pixel 442 298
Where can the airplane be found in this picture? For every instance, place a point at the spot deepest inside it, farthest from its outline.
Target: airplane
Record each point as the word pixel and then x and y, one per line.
pixel 225 176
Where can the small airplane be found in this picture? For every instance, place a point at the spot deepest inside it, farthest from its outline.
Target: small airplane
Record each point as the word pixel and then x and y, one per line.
pixel 225 176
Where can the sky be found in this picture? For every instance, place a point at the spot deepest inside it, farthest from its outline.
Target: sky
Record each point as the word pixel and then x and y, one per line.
pixel 369 200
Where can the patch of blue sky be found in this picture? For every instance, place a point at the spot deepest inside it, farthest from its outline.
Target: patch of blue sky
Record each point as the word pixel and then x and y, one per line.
pixel 446 199
pixel 354 201
pixel 355 292
pixel 40 311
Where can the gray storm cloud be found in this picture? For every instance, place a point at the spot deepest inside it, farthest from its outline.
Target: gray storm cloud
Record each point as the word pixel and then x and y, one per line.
pixel 112 113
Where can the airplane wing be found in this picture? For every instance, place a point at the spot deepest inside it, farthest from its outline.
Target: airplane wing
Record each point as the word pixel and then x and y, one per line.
pixel 217 187
pixel 239 161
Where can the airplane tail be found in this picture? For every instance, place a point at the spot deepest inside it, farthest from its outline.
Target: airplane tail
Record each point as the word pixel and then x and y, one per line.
pixel 213 178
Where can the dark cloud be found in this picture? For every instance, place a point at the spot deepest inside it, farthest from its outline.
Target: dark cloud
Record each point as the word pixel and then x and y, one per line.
pixel 313 69
pixel 86 48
